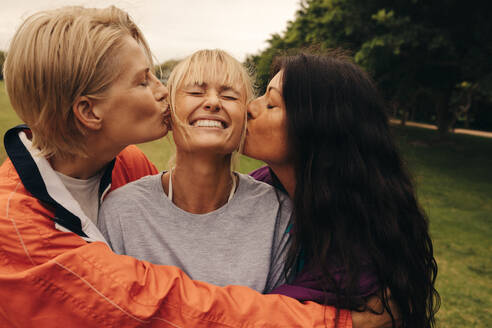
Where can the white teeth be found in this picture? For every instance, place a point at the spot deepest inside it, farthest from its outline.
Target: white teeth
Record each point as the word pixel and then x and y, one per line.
pixel 208 124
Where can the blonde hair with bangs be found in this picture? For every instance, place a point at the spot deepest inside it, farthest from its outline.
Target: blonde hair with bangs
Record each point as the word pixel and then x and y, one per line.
pixel 55 57
pixel 215 64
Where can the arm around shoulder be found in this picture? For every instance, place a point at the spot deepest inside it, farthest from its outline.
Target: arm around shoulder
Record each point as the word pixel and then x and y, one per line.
pixel 91 286
pixel 131 164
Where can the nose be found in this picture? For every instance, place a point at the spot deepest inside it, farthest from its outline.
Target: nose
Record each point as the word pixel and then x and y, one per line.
pixel 254 108
pixel 212 102
pixel 160 90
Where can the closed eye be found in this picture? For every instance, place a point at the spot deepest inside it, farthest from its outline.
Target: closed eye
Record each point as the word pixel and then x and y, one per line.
pixel 145 82
pixel 142 77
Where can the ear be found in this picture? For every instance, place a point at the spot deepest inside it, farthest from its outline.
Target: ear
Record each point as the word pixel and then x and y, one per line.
pixel 84 110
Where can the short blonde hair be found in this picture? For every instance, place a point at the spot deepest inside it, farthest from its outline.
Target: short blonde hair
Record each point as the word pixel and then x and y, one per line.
pixel 210 64
pixel 55 57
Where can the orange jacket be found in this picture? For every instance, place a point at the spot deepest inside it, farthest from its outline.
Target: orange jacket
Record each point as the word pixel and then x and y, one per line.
pixel 51 277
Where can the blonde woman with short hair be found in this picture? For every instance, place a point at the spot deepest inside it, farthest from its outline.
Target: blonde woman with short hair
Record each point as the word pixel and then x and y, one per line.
pixel 217 225
pixel 63 72
pixel 82 81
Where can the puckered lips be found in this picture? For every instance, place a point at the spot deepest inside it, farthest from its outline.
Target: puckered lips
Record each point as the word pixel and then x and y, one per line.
pixel 209 121
pixel 166 113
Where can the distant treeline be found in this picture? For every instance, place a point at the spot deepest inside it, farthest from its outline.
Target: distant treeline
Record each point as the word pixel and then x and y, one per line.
pixel 2 59
pixel 431 59
pixel 163 70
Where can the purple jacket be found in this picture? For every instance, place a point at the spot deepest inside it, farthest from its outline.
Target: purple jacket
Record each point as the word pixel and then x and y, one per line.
pixel 307 285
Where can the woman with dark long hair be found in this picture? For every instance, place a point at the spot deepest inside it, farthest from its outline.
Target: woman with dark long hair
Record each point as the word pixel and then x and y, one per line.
pixel 359 231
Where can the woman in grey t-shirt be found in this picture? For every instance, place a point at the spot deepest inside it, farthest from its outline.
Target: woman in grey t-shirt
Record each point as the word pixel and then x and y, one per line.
pixel 217 225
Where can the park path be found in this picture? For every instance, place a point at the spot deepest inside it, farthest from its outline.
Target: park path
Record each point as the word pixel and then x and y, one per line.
pixel 433 127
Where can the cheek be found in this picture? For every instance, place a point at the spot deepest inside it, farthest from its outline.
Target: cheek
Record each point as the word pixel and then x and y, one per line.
pixel 273 126
pixel 241 119
pixel 276 140
pixel 266 139
pixel 237 115
pixel 140 107
pixel 184 107
pixel 178 127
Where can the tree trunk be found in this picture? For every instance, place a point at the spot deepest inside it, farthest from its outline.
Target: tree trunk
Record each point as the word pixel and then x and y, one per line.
pixel 444 115
pixel 412 113
pixel 466 109
pixel 394 106
pixel 404 117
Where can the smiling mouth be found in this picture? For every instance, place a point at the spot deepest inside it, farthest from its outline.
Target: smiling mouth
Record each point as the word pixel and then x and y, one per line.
pixel 209 124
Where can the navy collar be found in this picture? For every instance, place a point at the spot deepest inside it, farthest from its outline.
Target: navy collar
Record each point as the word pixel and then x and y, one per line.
pixel 31 178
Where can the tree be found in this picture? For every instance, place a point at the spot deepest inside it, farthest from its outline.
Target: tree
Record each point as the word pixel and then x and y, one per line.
pixel 2 60
pixel 413 48
pixel 164 70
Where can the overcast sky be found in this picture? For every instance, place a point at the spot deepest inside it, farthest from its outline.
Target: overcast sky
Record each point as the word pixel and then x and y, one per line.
pixel 176 28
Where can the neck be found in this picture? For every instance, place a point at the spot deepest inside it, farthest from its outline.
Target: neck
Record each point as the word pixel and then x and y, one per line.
pixel 286 175
pixel 77 167
pixel 85 167
pixel 201 183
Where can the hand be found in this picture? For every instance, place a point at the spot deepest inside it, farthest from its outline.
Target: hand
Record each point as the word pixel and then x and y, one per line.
pixel 367 319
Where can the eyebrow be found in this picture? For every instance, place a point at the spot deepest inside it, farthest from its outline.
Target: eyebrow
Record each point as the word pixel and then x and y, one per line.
pixel 221 89
pixel 139 73
pixel 228 88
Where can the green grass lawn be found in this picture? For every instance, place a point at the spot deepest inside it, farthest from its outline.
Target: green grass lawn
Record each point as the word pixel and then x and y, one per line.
pixel 454 183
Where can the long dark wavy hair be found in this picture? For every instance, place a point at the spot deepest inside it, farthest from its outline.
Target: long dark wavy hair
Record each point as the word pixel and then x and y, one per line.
pixel 354 204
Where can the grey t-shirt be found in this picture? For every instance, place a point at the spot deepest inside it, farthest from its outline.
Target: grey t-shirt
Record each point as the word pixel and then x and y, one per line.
pixel 242 243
